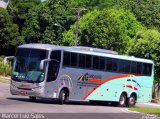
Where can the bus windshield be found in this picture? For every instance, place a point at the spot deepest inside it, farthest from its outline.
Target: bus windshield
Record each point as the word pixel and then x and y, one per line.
pixel 26 65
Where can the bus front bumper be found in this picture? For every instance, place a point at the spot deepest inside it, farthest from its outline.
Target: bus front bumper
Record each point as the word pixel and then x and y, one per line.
pixel 37 92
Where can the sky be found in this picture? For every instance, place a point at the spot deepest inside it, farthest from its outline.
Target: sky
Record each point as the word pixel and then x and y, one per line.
pixel 42 0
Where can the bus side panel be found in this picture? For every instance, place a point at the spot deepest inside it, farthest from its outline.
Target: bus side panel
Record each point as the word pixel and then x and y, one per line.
pixel 110 87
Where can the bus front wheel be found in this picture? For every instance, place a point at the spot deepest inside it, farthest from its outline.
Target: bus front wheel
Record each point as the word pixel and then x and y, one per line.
pixel 62 97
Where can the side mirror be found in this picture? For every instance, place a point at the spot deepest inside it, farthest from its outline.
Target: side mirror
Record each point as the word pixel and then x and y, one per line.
pixel 42 63
pixel 7 58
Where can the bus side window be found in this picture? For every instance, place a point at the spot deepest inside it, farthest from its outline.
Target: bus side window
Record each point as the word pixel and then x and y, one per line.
pixel 54 65
pixel 127 66
pixel 82 61
pixel 139 68
pixel 95 62
pixel 66 59
pixel 73 60
pixel 101 63
pixel 121 66
pixel 147 69
pixel 134 67
pixel 109 64
pixel 88 61
pixel 115 64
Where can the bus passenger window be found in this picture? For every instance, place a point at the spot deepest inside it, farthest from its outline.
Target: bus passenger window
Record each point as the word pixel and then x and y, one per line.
pixel 66 59
pixel 82 61
pixel 109 64
pixel 122 66
pixel 147 69
pixel 101 63
pixel 95 62
pixel 115 64
pixel 73 59
pixel 127 66
pixel 88 61
pixel 134 67
pixel 139 68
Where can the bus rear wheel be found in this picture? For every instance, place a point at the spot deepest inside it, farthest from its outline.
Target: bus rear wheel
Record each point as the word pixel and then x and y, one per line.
pixel 131 101
pixel 32 98
pixel 122 100
pixel 63 97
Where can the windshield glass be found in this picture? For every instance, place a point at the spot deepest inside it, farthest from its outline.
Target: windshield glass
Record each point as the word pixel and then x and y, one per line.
pixel 26 65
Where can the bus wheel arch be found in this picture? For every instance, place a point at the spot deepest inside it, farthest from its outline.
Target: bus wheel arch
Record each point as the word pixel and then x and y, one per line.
pixel 123 99
pixel 63 95
pixel 131 101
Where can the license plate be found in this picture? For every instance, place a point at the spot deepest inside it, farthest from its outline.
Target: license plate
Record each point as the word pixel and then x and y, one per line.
pixel 23 93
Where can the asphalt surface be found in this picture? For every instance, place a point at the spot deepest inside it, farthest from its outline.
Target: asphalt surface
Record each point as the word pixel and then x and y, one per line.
pixel 46 108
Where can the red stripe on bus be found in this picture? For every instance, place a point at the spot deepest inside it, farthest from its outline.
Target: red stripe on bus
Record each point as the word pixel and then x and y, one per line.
pixel 107 80
pixel 94 80
pixel 129 86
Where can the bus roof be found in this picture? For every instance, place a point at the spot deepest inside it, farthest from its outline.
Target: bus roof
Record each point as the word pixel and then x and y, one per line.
pixel 85 50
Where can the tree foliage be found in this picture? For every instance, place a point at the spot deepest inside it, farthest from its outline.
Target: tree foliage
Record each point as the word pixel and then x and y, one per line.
pixel 93 4
pixel 18 10
pixel 109 29
pixel 40 23
pixel 9 35
pixel 146 11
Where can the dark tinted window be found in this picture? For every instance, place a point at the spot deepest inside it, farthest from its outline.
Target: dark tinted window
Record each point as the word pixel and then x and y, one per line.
pixel 95 62
pixel 54 65
pixel 121 66
pixel 127 66
pixel 101 63
pixel 115 64
pixel 147 69
pixel 139 68
pixel 66 59
pixel 109 64
pixel 82 61
pixel 88 61
pixel 56 55
pixel 134 67
pixel 73 59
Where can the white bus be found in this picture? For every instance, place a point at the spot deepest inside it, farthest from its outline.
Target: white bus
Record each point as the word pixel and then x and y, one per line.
pixel 80 73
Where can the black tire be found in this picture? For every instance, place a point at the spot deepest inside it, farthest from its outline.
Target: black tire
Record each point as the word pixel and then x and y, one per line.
pixel 131 101
pixel 122 100
pixel 63 97
pixel 32 99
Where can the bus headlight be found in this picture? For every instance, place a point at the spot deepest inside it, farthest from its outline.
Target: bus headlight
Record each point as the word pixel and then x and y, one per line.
pixel 38 88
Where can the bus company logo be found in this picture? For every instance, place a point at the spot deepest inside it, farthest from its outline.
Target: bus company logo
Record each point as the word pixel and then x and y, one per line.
pixel 91 78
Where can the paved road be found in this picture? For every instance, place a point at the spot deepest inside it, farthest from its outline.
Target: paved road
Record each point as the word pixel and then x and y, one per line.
pixel 18 104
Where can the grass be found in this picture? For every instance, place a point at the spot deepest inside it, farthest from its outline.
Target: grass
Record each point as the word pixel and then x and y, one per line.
pixel 147 110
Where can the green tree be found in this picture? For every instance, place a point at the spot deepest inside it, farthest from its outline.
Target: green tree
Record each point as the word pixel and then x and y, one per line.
pixel 41 19
pixel 9 35
pixel 93 4
pixel 146 11
pixel 18 10
pixel 110 29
